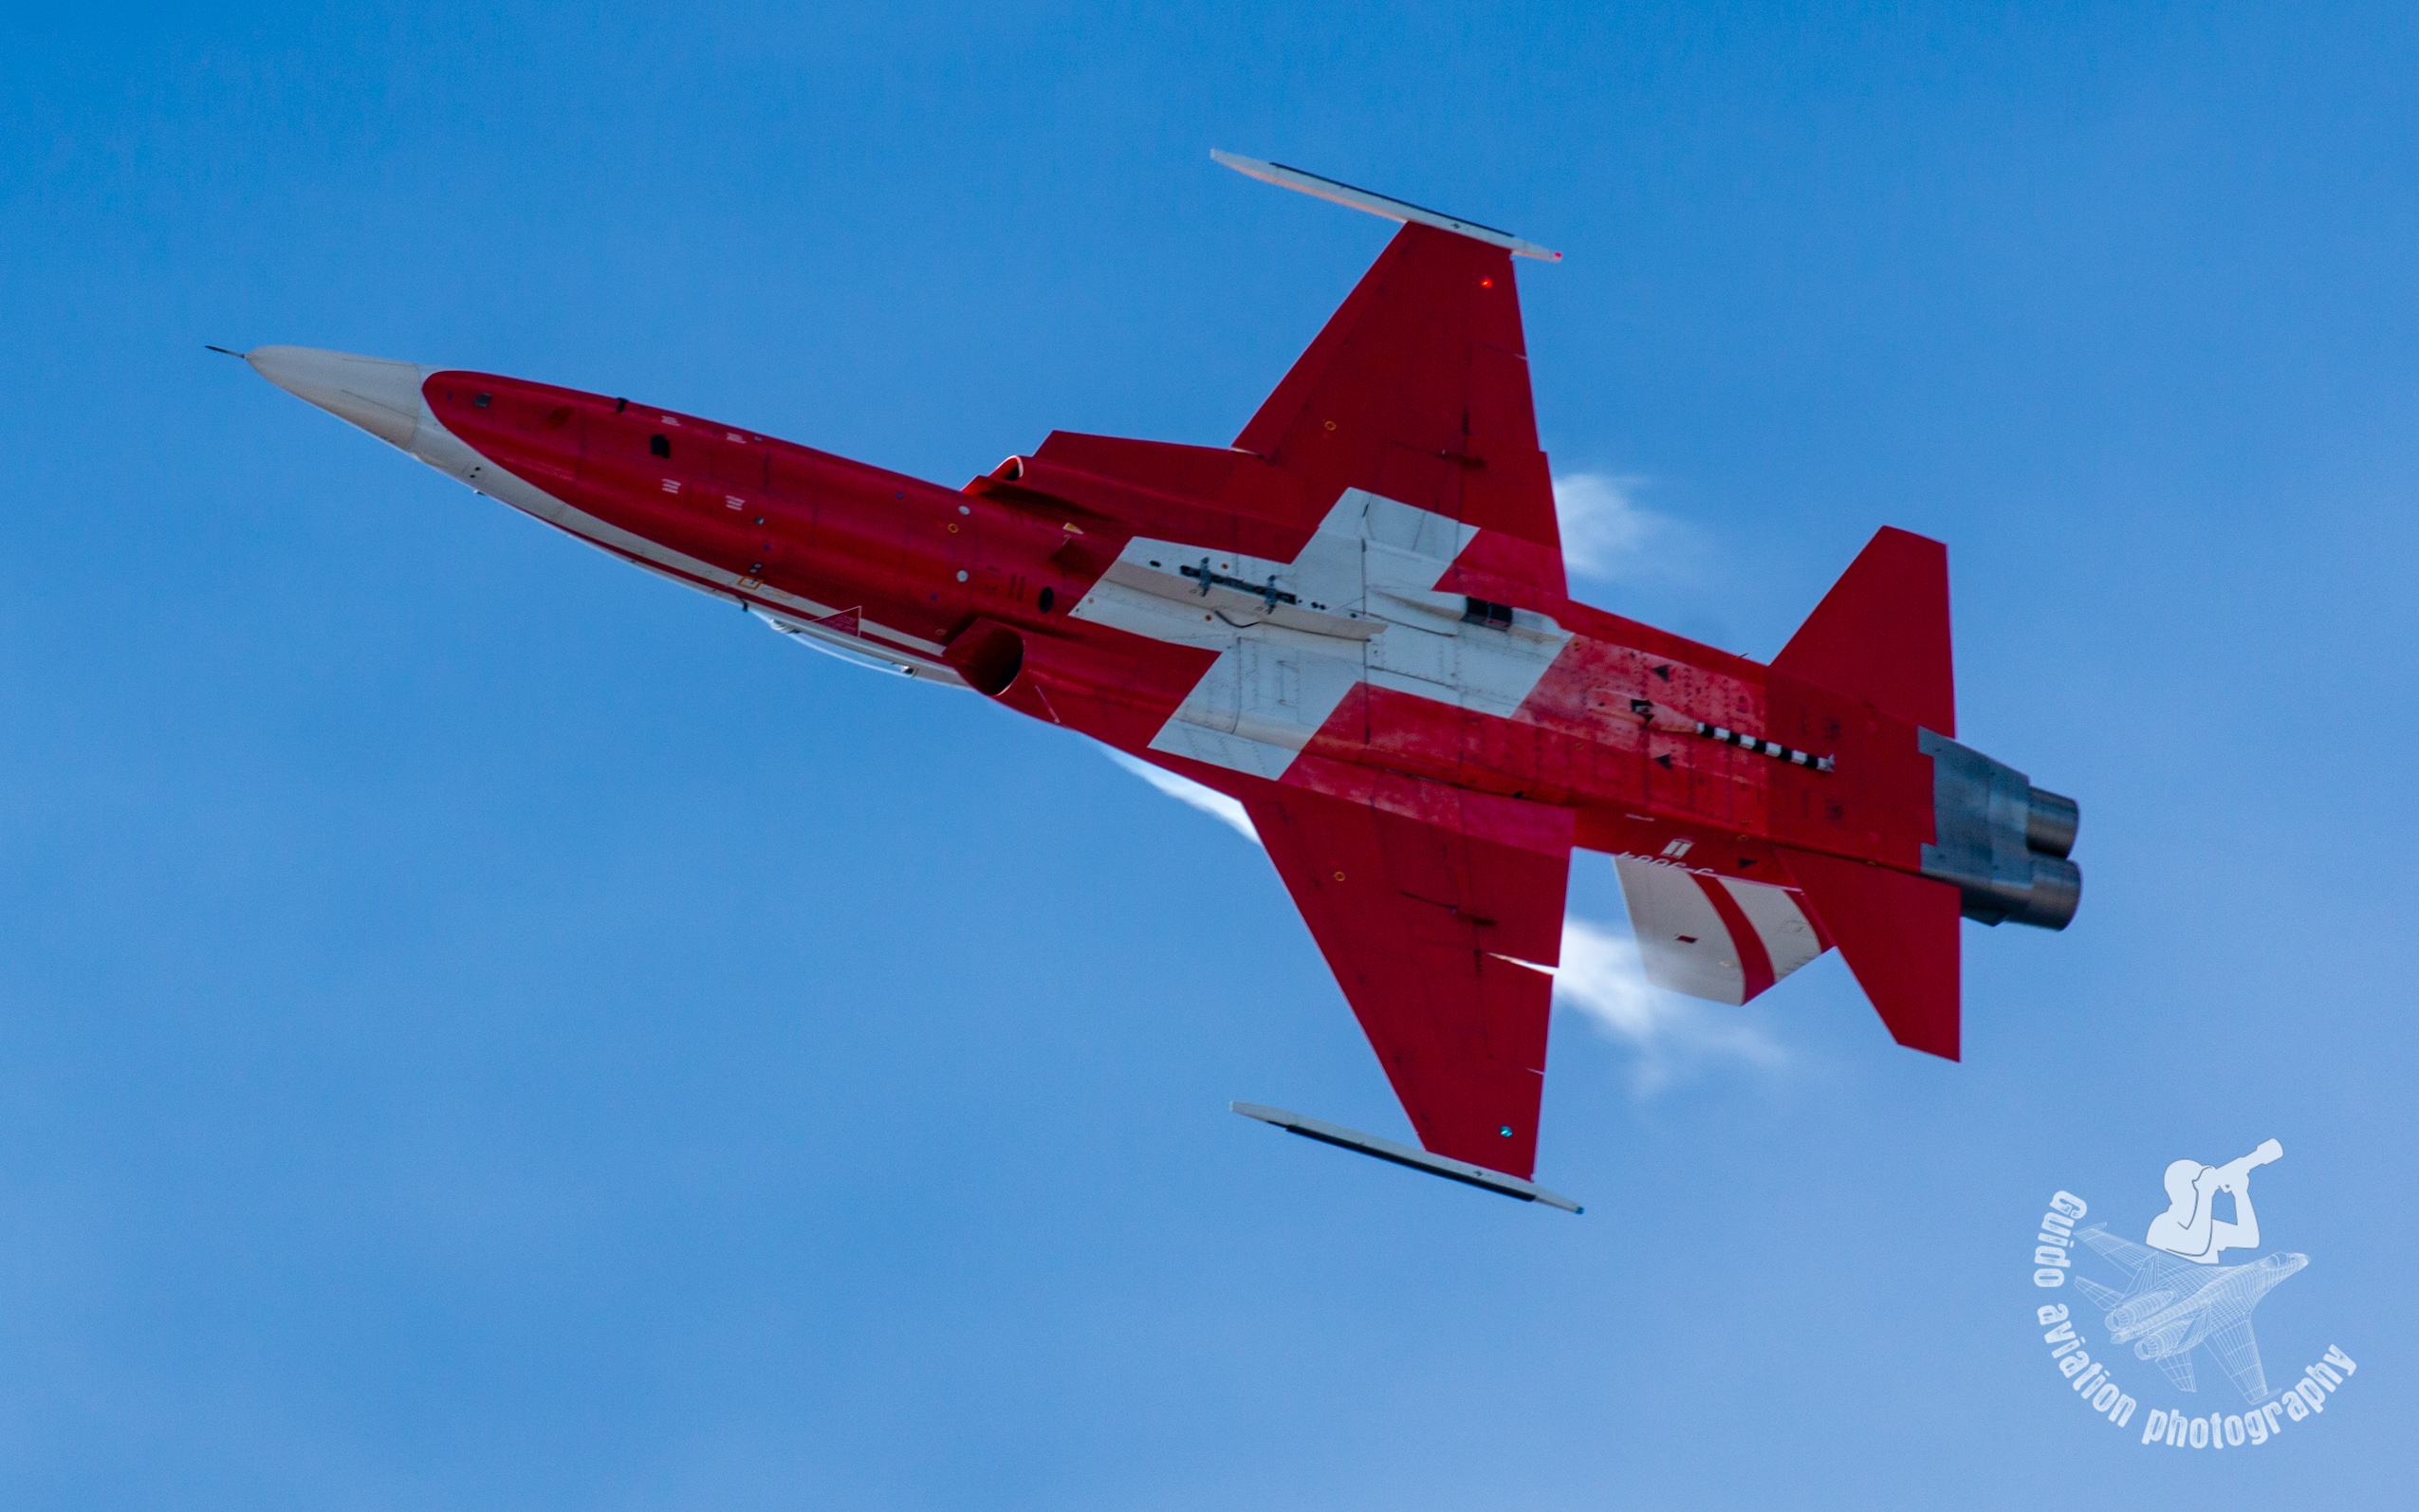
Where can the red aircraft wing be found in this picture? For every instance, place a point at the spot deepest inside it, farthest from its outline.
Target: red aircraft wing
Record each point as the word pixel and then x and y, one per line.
pixel 1427 899
pixel 1417 390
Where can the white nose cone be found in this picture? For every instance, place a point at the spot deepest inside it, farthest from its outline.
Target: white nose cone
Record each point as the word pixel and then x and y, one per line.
pixel 381 396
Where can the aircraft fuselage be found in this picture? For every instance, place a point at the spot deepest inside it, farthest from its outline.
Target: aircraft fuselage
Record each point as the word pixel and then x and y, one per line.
pixel 906 568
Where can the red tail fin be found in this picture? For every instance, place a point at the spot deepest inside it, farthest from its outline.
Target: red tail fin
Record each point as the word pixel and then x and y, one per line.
pixel 1881 634
pixel 1898 934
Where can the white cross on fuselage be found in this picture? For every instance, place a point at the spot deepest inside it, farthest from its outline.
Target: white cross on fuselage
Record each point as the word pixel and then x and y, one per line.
pixel 1363 608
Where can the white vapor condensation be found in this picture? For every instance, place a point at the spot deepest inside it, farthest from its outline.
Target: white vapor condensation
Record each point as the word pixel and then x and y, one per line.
pixel 1602 979
pixel 1606 533
pixel 1209 800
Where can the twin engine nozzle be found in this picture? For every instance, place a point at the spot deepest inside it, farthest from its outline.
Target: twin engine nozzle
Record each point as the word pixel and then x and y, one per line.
pixel 2000 839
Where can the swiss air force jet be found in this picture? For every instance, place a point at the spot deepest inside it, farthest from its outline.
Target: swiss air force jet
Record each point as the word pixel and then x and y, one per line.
pixel 1353 619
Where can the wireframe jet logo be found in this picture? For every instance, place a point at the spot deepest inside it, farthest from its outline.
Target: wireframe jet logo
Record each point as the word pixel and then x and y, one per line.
pixel 2176 1296
pixel 2172 1298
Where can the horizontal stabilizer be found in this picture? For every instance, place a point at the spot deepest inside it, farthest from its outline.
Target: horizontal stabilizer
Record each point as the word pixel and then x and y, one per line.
pixel 1402 1155
pixel 1881 634
pixel 1899 933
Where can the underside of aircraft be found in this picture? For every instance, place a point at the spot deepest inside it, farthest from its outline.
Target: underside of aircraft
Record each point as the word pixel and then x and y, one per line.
pixel 1354 619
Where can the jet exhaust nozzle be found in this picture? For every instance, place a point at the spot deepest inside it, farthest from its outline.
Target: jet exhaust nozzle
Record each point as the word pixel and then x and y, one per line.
pixel 2056 893
pixel 2000 839
pixel 2050 822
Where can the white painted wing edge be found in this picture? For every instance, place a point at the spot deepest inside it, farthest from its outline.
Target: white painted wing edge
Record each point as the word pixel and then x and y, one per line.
pixel 1328 189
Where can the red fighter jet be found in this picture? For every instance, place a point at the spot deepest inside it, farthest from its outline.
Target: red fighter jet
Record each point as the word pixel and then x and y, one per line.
pixel 1354 621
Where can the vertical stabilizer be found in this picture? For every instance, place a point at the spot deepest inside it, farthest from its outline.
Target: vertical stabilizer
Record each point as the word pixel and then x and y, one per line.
pixel 1881 634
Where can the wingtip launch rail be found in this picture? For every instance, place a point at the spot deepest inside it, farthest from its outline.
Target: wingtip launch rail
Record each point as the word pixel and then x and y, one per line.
pixel 1397 209
pixel 1402 1155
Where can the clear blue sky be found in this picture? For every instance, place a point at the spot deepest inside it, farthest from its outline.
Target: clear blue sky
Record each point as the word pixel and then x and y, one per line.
pixel 483 1028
